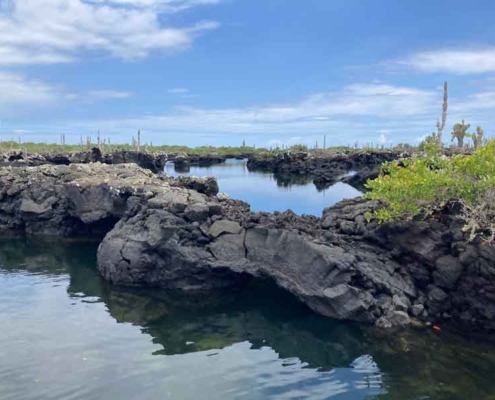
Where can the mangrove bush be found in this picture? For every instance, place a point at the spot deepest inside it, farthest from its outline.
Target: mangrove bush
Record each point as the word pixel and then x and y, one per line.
pixel 423 186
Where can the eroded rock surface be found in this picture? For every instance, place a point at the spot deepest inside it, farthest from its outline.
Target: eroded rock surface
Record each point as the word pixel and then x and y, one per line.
pixel 154 162
pixel 326 167
pixel 82 198
pixel 340 265
pixel 162 234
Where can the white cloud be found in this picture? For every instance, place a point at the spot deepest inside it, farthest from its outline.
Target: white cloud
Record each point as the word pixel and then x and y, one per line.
pixel 274 143
pixel 460 61
pixel 366 113
pixel 477 101
pixel 169 6
pixel 108 95
pixel 183 93
pixel 57 31
pixel 17 89
pixel 178 90
pixel 355 112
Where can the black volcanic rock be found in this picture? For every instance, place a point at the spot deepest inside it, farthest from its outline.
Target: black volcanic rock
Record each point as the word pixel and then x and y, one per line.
pixel 163 235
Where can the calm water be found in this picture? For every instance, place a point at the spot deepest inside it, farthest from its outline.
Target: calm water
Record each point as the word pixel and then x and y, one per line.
pixel 66 335
pixel 268 192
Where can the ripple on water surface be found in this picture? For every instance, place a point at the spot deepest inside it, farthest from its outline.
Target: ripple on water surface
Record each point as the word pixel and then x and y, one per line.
pixel 67 335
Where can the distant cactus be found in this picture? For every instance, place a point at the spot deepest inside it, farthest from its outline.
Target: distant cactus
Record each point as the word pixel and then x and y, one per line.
pixel 460 132
pixel 478 137
pixel 445 105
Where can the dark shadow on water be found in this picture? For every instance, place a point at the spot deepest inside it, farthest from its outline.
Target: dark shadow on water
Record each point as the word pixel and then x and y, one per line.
pixel 410 364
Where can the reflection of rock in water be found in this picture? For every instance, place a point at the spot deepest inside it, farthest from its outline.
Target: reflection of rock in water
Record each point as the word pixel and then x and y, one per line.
pixel 288 180
pixel 260 314
pixel 182 167
pixel 409 363
pixel 49 255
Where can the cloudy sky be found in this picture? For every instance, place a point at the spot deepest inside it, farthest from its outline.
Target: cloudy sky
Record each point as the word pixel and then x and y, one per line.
pixel 215 72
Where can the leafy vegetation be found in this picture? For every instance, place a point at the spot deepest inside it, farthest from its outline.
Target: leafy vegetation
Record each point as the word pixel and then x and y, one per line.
pixel 432 139
pixel 31 147
pixel 423 186
pixel 228 151
pixel 299 147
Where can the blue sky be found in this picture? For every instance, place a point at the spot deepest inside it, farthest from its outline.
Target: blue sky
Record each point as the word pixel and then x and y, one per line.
pixel 216 72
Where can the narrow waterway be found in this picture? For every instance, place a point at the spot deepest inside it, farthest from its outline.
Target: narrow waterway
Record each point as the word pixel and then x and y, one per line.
pixel 67 335
pixel 265 191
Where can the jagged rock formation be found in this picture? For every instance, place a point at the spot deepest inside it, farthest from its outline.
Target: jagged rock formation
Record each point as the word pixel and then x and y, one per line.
pixel 173 237
pixel 155 162
pixel 359 179
pixel 81 199
pixel 205 185
pixel 340 266
pixel 325 168
pixel 183 160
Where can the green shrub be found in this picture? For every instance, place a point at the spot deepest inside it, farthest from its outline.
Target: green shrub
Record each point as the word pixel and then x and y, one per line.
pixel 428 140
pixel 423 186
pixel 299 147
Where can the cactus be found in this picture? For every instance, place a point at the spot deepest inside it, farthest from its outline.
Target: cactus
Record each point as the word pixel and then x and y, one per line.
pixel 478 137
pixel 459 133
pixel 445 105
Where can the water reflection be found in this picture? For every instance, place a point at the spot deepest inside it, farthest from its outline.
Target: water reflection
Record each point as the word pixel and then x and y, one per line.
pixel 66 334
pixel 270 192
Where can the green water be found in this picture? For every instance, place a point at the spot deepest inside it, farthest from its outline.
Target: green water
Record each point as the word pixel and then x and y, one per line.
pixel 65 334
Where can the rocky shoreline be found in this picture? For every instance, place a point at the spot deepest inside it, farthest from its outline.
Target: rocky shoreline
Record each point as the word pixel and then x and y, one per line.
pixel 327 167
pixel 163 232
pixel 154 161
pixel 323 168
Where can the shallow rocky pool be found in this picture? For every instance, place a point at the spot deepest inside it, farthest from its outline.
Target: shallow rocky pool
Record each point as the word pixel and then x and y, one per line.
pixel 66 334
pixel 265 191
